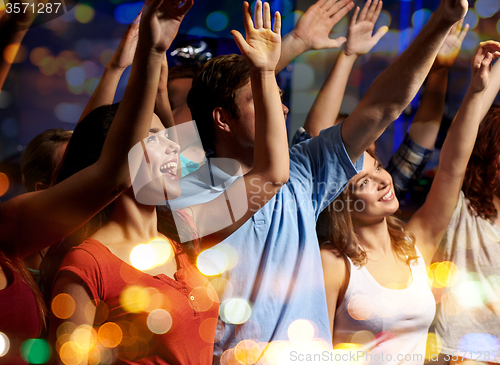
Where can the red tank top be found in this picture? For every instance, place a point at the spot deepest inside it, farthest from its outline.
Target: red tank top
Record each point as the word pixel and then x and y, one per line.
pixel 189 301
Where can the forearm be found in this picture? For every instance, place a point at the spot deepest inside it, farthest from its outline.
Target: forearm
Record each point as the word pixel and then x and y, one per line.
pixel 104 93
pixel 133 118
pixel 291 48
pixel 425 126
pixel 271 146
pixel 461 136
pixel 492 89
pixel 393 90
pixel 326 106
pixel 9 35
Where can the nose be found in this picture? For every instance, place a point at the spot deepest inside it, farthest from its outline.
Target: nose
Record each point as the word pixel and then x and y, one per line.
pixel 384 179
pixel 285 110
pixel 170 146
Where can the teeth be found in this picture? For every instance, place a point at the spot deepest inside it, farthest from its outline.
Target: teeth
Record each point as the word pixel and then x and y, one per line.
pixel 168 166
pixel 387 196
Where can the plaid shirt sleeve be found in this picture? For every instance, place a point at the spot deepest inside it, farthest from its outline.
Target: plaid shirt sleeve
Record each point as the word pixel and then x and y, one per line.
pixel 406 165
pixel 300 136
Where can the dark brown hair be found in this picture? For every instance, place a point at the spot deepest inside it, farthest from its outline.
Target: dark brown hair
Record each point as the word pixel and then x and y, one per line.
pixel 39 159
pixel 480 177
pixel 214 87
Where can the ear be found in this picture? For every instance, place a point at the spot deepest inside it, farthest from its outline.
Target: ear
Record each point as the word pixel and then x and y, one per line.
pixel 40 186
pixel 221 119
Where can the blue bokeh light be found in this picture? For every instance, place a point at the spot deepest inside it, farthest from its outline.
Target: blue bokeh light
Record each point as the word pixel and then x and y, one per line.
pixel 217 21
pixel 126 13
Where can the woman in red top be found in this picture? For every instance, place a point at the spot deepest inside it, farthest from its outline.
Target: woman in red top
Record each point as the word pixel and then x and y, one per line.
pixel 106 308
pixel 33 221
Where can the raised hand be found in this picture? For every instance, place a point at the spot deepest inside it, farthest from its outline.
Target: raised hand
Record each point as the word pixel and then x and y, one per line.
pixel 315 25
pixel 262 47
pixel 481 64
pixel 360 38
pixel 160 22
pixel 451 46
pixel 451 11
pixel 125 52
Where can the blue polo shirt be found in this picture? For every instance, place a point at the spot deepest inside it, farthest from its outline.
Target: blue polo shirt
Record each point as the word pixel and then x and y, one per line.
pixel 279 270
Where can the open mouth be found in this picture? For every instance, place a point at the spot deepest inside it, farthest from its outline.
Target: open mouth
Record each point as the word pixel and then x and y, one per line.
pixel 169 169
pixel 387 197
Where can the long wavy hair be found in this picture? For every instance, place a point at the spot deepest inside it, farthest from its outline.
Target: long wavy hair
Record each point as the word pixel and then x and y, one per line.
pixel 480 177
pixel 83 150
pixel 335 231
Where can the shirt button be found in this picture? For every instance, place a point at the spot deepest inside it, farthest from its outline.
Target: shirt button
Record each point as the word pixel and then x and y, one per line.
pixel 184 290
pixel 191 297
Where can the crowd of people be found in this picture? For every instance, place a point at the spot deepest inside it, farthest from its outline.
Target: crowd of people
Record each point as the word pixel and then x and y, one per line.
pixel 324 270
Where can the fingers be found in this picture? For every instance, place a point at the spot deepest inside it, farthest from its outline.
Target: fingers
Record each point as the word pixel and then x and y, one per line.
pixel 339 10
pixel 267 16
pixel 377 12
pixel 364 11
pixel 277 23
pixel 380 33
pixel 463 33
pixel 240 42
pixel 188 4
pixel 247 18
pixel 354 17
pixel 257 15
pixel 137 19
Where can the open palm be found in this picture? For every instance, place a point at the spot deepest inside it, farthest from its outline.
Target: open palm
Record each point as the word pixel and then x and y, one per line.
pixel 262 46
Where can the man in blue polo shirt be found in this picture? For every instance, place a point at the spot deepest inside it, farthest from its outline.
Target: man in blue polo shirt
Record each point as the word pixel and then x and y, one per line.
pixel 279 272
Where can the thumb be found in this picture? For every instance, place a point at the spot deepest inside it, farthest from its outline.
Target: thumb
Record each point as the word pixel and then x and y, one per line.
pixel 380 33
pixel 336 43
pixel 240 41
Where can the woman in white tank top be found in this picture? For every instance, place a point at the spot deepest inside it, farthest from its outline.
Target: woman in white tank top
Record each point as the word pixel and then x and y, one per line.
pixel 379 302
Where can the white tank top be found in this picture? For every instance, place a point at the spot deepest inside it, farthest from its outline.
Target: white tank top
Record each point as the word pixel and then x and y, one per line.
pixel 382 325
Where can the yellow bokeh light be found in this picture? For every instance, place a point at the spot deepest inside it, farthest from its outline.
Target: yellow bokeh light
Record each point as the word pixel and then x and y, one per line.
pixel 212 262
pixel 431 276
pixel 230 253
pixel 48 65
pixel 70 354
pixel 433 343
pixel 247 352
pixel 235 311
pixel 94 356
pixel 4 344
pixel 360 307
pixel 159 321
pixel 15 53
pixel 110 335
pixel 143 257
pixel 84 13
pixel 163 250
pixel 4 183
pixel 84 337
pixel 446 273
pixel 301 330
pixel 228 358
pixel 63 306
pixel 135 299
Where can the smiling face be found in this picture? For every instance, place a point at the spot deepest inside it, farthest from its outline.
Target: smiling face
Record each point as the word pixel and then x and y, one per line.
pixel 163 157
pixel 372 193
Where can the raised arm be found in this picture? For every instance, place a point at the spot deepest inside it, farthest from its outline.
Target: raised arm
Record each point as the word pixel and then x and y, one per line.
pixel 313 29
pixel 360 40
pixel 392 91
pixel 425 126
pixel 32 221
pixel 261 50
pixel 492 89
pixel 104 93
pixel 13 28
pixel 408 162
pixel 162 106
pixel 430 221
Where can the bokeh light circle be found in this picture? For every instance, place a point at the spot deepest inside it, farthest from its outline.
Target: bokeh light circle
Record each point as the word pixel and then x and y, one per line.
pixel 36 351
pixel 110 335
pixel 143 257
pixel 4 344
pixel 63 306
pixel 301 330
pixel 235 311
pixel 217 21
pixel 159 321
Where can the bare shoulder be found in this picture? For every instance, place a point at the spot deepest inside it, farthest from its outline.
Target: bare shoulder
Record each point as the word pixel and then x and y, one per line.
pixel 334 266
